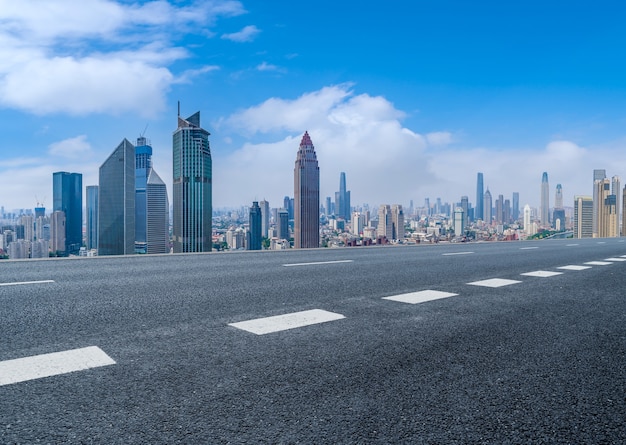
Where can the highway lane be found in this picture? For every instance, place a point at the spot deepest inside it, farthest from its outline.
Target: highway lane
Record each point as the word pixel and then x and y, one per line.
pixel 541 360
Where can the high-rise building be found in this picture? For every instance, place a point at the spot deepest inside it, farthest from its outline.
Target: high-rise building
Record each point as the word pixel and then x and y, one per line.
pixel 459 221
pixel 558 214
pixel 487 207
pixel 527 221
pixel 598 175
pixel 288 205
pixel 397 222
pixel 151 204
pixel 283 225
pixel 515 210
pixel 499 216
pixel 192 193
pixel 265 218
pixel 28 223
pixel 256 217
pixel 583 216
pixel 342 199
pixel 607 210
pixel 465 207
pixel 67 191
pixel 617 192
pixel 480 196
pixel 544 214
pixel 358 223
pixel 57 232
pixel 558 197
pixel 624 212
pixel 306 196
pixel 385 222
pixel 92 217
pixel 116 202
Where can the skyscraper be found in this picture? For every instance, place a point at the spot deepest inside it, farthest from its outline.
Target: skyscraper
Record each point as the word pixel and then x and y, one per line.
pixel 479 212
pixel 265 218
pixel 151 204
pixel 385 222
pixel 342 199
pixel 487 207
pixel 607 210
pixel 545 201
pixel 255 227
pixel 92 217
pixel 465 207
pixel 397 222
pixel 67 191
pixel 192 193
pixel 283 224
pixel 116 202
pixel 598 175
pixel 306 196
pixel 558 214
pixel 583 216
pixel 515 211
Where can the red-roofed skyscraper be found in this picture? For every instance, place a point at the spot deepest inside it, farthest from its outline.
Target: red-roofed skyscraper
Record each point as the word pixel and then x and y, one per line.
pixel 306 176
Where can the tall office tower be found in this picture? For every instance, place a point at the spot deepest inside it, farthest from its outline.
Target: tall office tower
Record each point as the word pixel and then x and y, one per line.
pixel 583 216
pixel 545 201
pixel 342 199
pixel 507 211
pixel 385 222
pixel 487 207
pixel 151 204
pixel 288 205
pixel 598 175
pixel 515 209
pixel 92 217
pixel 265 218
pixel 623 233
pixel 608 218
pixel 192 193
pixel 57 232
pixel 67 192
pixel 499 216
pixel 29 225
pixel 480 196
pixel 527 220
pixel 458 221
pixel 397 222
pixel 358 223
pixel 465 207
pixel 306 196
pixel 558 214
pixel 116 202
pixel 283 224
pixel 255 227
pixel 616 190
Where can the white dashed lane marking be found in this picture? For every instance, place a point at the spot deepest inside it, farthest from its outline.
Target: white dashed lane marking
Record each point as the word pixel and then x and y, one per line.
pixel 494 282
pixel 55 363
pixel 20 283
pixel 456 253
pixel 574 267
pixel 598 263
pixel 528 248
pixel 294 320
pixel 571 245
pixel 541 273
pixel 420 297
pixel 615 259
pixel 318 263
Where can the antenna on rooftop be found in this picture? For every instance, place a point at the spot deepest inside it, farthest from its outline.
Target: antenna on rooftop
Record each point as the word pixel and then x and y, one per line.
pixel 178 108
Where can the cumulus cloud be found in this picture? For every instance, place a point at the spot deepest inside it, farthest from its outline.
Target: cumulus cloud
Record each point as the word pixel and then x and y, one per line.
pixel 439 138
pixel 247 34
pixel 99 56
pixel 72 148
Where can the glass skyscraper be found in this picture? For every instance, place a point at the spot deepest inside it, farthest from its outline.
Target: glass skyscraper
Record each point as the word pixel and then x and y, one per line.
pixel 306 196
pixel 116 202
pixel 192 168
pixel 479 212
pixel 92 217
pixel 67 191
pixel 255 227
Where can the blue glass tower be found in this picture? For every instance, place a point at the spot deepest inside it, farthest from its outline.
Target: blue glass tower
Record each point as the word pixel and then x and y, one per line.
pixel 480 197
pixel 67 193
pixel 92 217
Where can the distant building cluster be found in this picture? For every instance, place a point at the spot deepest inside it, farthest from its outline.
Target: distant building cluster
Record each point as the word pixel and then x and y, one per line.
pixel 128 211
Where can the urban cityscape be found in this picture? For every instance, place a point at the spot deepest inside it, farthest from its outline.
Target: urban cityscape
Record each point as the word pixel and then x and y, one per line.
pixel 128 211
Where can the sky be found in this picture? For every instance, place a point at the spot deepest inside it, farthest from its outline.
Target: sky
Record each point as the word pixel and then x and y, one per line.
pixel 411 98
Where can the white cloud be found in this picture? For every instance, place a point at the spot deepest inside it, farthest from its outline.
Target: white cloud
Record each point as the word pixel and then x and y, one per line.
pixel 439 138
pixel 264 66
pixel 247 34
pixel 96 56
pixel 72 148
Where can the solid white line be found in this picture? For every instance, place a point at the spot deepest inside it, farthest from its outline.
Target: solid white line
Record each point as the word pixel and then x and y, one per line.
pixel 528 248
pixel 18 283
pixel 457 253
pixel 55 363
pixel 598 263
pixel 294 320
pixel 541 273
pixel 420 297
pixel 494 282
pixel 319 262
pixel 574 267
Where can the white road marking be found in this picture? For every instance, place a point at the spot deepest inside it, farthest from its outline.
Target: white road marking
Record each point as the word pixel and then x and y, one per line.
pixel 494 282
pixel 55 363
pixel 420 297
pixel 457 253
pixel 528 248
pixel 574 267
pixel 541 273
pixel 570 245
pixel 601 242
pixel 622 256
pixel 18 283
pixel 319 262
pixel 598 263
pixel 294 320
pixel 615 259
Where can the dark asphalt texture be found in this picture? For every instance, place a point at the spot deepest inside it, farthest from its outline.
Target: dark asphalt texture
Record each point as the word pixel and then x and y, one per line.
pixel 543 361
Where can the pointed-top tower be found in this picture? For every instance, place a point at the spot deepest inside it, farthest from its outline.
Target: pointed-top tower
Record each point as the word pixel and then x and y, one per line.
pixel 306 196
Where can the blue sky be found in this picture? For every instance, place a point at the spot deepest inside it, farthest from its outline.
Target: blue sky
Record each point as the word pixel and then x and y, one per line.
pixel 410 98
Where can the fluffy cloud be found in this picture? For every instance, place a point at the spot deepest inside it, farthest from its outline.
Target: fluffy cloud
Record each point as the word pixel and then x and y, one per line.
pixel 97 56
pixel 247 34
pixel 71 148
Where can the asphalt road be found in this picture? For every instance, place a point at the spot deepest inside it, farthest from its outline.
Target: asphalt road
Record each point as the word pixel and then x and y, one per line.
pixel 541 360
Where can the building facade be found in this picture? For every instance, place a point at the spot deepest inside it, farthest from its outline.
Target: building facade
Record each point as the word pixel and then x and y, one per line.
pixel 67 191
pixel 583 217
pixel 306 196
pixel 255 227
pixel 544 210
pixel 92 217
pixel 480 196
pixel 192 193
